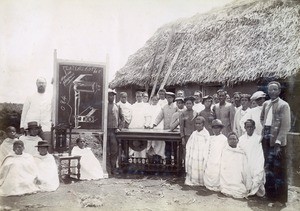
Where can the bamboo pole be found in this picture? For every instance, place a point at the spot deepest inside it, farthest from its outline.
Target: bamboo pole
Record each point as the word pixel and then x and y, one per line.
pixel 162 62
pixel 171 66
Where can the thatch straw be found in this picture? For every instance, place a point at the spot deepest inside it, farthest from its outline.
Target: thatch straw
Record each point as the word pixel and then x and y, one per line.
pixel 243 41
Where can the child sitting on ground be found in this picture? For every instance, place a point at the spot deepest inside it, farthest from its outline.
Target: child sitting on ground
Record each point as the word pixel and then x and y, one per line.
pixel 235 177
pixel 7 145
pixel 90 167
pixel 32 139
pixel 18 173
pixel 215 146
pixel 195 153
pixel 47 169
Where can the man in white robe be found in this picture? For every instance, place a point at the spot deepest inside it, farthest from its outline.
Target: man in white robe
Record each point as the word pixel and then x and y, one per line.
pixel 162 98
pixel 235 177
pixel 90 167
pixel 6 147
pixel 215 146
pixel 37 107
pixel 240 116
pixel 18 173
pixel 251 144
pixel 198 106
pixel 32 139
pixel 138 121
pixel 47 168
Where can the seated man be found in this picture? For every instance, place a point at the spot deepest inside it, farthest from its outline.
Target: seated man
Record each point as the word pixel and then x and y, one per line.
pixel 47 169
pixel 251 144
pixel 32 139
pixel 18 173
pixel 90 167
pixel 7 145
pixel 235 178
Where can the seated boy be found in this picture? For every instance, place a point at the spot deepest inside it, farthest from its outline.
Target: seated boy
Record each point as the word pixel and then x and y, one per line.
pixel 215 146
pixel 18 173
pixel 235 178
pixel 90 167
pixel 7 145
pixel 47 169
pixel 32 139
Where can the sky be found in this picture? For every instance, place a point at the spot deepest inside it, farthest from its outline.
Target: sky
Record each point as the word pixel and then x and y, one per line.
pixel 81 30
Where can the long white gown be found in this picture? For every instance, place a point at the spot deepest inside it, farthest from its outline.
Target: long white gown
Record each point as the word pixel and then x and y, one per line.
pixel 194 159
pixel 17 175
pixel 47 172
pixel 215 145
pixel 254 152
pixel 90 167
pixel 235 178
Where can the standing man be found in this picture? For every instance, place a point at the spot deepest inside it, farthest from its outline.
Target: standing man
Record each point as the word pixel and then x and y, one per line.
pixel 224 112
pixel 37 107
pixel 198 106
pixel 114 124
pixel 126 108
pixel 276 121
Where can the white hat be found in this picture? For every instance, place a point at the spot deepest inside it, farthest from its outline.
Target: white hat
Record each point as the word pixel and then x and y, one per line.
pixel 257 95
pixel 112 91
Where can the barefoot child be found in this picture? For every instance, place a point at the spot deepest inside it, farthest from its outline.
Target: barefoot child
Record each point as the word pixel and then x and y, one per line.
pixel 194 160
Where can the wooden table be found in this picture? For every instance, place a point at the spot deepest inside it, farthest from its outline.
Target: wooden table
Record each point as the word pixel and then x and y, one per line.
pixel 68 166
pixel 127 162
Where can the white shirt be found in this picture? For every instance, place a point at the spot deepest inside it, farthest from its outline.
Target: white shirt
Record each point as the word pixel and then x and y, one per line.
pixel 198 107
pixel 37 107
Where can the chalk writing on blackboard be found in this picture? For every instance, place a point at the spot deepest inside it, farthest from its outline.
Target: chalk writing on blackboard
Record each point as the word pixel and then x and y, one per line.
pixel 80 95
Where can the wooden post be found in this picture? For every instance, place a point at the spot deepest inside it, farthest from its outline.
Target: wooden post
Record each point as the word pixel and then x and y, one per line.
pixel 162 63
pixel 104 120
pixel 171 66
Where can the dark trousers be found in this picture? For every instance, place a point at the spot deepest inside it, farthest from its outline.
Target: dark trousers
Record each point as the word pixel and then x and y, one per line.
pixel 112 150
pixel 276 170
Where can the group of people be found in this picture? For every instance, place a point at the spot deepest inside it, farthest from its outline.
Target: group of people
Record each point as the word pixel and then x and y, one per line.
pixel 233 145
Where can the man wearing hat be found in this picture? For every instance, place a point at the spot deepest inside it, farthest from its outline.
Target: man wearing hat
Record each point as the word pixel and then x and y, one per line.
pixel 114 123
pixel 215 146
pixel 37 107
pixel 165 115
pixel 47 169
pixel 32 139
pixel 259 97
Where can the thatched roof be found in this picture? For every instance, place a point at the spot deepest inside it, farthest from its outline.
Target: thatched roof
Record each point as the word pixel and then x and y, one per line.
pixel 243 41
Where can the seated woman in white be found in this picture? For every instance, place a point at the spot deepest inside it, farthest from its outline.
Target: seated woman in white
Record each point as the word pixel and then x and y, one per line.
pixel 18 173
pixel 47 168
pixel 235 177
pixel 7 145
pixel 90 167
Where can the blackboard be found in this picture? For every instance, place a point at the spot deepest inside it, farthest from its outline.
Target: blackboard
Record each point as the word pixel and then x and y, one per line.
pixel 79 90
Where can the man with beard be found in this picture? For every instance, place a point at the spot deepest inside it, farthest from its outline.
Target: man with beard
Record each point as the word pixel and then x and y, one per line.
pixel 37 107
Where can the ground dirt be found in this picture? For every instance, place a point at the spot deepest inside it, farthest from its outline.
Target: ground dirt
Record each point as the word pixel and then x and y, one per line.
pixel 139 192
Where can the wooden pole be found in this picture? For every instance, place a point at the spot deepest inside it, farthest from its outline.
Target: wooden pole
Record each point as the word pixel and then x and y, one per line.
pixel 162 62
pixel 171 66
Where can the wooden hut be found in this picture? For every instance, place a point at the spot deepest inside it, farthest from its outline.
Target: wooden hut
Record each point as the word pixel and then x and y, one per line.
pixel 241 46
